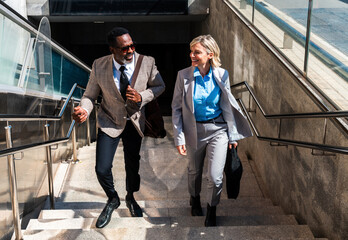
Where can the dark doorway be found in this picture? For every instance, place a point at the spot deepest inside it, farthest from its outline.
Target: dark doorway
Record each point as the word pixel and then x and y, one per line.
pixel 170 58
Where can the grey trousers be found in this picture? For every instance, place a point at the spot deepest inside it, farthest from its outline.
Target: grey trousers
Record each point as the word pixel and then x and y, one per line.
pixel 212 142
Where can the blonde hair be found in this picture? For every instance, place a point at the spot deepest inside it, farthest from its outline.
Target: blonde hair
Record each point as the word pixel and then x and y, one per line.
pixel 208 42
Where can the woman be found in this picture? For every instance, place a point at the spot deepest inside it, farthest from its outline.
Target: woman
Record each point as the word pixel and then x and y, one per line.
pixel 206 120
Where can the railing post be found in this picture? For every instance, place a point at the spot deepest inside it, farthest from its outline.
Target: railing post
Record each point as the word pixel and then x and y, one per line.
pixel 308 35
pixel 278 144
pixel 88 132
pixel 49 167
pixel 323 153
pixel 253 13
pixel 13 186
pixel 287 41
pixel 243 4
pixel 74 144
pixel 96 121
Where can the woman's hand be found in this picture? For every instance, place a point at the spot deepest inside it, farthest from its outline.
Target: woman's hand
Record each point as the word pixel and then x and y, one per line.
pixel 181 149
pixel 232 144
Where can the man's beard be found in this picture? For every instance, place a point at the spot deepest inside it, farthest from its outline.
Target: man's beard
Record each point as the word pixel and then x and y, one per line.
pixel 125 61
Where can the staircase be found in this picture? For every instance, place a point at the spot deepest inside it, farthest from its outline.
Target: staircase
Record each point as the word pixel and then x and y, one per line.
pixel 164 199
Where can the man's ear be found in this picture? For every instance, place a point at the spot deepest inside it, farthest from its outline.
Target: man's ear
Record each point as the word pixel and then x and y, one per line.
pixel 112 50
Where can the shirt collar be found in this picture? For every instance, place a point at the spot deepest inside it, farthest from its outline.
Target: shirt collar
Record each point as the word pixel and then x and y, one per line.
pixel 196 73
pixel 129 66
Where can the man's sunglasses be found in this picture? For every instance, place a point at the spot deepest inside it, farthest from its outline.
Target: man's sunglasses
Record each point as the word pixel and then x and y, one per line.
pixel 125 49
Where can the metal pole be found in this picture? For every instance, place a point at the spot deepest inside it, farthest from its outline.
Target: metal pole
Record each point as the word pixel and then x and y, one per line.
pixel 13 186
pixel 96 121
pixel 74 145
pixel 308 35
pixel 88 133
pixel 49 167
pixel 253 13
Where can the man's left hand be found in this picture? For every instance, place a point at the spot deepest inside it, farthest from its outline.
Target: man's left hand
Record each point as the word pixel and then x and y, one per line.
pixel 133 95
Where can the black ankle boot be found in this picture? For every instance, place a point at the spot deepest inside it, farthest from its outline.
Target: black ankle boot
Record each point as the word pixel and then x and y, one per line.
pixel 196 209
pixel 210 219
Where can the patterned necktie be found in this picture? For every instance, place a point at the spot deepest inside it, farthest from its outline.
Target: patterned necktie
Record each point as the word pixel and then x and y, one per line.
pixel 123 82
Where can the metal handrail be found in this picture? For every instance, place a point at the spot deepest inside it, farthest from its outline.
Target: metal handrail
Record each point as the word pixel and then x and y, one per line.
pixel 291 115
pixel 14 150
pixel 22 117
pixel 322 147
pixel 10 151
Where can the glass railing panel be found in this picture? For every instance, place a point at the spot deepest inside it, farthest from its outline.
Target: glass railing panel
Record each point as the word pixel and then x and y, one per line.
pixel 286 31
pixel 328 59
pixel 285 24
pixel 13 42
pixel 39 74
pixel 30 176
pixel 70 75
pixel 65 74
pixel 6 218
pixel 32 73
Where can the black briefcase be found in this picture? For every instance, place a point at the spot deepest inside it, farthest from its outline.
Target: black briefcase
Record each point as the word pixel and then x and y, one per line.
pixel 233 173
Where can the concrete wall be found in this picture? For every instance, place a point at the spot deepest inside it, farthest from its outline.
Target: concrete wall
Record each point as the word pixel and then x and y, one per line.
pixel 314 188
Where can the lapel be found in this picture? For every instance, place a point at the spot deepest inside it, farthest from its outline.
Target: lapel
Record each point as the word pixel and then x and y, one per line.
pixel 218 78
pixel 221 84
pixel 189 86
pixel 226 94
pixel 110 77
pixel 136 56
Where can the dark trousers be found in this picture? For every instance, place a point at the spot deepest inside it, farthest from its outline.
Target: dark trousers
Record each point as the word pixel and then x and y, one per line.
pixel 106 148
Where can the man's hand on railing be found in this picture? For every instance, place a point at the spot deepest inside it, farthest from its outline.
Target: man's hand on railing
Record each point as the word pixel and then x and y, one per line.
pixel 80 115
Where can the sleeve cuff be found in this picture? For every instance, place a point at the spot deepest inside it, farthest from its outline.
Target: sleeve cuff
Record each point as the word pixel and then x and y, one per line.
pixel 85 110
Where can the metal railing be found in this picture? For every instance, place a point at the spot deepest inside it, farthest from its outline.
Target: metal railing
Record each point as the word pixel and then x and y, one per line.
pixel 322 147
pixel 310 47
pixel 10 151
pixel 301 74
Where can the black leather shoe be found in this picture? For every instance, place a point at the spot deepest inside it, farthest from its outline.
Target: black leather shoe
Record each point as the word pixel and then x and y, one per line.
pixel 105 216
pixel 134 208
pixel 196 209
pixel 210 219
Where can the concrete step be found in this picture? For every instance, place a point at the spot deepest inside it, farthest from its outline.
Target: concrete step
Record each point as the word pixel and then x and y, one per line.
pixel 168 203
pixel 284 232
pixel 159 222
pixel 159 212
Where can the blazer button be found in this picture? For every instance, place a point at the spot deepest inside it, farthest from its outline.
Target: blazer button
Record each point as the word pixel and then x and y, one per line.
pixel 124 117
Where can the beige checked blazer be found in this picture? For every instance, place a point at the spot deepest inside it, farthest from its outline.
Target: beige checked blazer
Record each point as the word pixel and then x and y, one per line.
pixel 113 111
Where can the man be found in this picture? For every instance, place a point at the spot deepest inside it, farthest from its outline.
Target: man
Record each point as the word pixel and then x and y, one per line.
pixel 120 116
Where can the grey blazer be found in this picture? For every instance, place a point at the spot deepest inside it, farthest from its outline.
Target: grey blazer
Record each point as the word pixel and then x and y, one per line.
pixel 113 111
pixel 184 122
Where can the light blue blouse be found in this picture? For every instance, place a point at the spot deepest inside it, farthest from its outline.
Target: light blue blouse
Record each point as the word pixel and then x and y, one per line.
pixel 206 96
